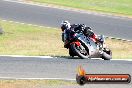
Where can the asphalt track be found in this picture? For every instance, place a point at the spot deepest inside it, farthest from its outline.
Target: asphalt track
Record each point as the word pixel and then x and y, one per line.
pixel 46 16
pixel 34 67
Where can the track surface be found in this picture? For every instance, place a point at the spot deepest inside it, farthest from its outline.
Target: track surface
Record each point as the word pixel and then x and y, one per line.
pixel 27 67
pixel 58 67
pixel 46 16
pixel 22 67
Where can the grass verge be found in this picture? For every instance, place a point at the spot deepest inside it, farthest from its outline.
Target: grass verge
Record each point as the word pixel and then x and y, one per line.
pixel 22 39
pixel 35 83
pixel 109 6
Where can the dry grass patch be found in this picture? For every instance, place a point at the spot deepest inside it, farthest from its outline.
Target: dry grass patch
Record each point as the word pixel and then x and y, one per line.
pixel 20 39
pixel 120 49
pixel 34 83
pixel 30 40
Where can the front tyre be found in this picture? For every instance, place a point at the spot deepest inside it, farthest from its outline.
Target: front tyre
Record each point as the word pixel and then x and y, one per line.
pixel 80 51
pixel 71 53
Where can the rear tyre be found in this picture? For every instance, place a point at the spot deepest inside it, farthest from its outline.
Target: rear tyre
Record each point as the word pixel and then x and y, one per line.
pixel 80 51
pixel 107 54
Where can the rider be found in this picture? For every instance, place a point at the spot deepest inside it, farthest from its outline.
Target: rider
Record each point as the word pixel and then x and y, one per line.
pixel 67 28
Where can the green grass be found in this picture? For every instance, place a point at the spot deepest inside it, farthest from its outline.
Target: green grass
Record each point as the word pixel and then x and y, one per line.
pixel 35 83
pixel 22 39
pixel 110 6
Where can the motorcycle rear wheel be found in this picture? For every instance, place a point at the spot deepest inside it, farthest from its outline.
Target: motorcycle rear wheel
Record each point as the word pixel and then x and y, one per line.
pixel 107 55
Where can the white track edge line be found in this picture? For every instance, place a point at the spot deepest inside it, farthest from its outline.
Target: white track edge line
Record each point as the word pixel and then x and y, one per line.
pixel 12 78
pixel 26 56
pixel 123 59
pixel 56 57
pixel 27 24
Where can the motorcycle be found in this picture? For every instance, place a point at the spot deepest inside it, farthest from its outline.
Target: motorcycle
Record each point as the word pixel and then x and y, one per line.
pixel 84 47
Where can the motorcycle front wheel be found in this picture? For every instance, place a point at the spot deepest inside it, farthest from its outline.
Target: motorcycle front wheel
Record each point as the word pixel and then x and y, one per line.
pixel 80 51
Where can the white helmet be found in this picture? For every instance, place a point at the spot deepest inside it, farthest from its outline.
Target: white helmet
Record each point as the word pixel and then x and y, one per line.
pixel 65 25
